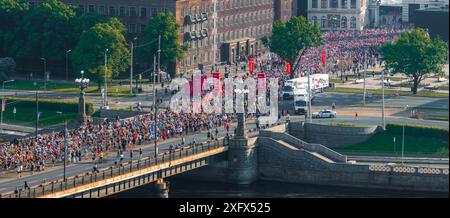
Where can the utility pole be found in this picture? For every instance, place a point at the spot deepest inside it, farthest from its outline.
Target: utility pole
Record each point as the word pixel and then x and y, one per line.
pixel 106 79
pixel 214 16
pixel 159 56
pixel 154 105
pixel 364 95
pixel 37 114
pixel 67 64
pixel 131 68
pixel 403 143
pixel 309 97
pixel 383 121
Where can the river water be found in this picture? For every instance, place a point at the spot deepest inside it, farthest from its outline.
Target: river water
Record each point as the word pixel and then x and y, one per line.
pixel 181 188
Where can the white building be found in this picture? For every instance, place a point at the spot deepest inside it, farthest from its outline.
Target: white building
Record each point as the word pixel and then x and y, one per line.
pixel 339 14
pixel 409 6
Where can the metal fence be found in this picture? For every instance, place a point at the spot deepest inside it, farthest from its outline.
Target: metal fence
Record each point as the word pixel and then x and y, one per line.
pixel 113 171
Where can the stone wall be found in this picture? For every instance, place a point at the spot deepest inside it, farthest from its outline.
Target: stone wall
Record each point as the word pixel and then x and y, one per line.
pixel 280 163
pixel 322 150
pixel 331 136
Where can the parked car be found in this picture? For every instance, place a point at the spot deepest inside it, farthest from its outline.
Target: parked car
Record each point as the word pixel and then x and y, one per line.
pixel 324 114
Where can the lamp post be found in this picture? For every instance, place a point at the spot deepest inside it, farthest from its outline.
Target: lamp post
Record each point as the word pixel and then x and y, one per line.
pixel 154 107
pixel 309 97
pixel 67 64
pixel 83 83
pixel 383 121
pixel 3 107
pixel 65 144
pixel 403 139
pixel 105 106
pixel 45 72
pixel 131 67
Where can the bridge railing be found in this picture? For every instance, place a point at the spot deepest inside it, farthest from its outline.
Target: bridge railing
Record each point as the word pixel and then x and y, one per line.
pixel 113 171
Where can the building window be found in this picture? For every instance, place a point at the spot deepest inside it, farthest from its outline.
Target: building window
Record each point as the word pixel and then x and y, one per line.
pixel 101 10
pixel 314 4
pixel 143 26
pixel 132 28
pixel 353 23
pixel 324 4
pixel 314 19
pixel 154 12
pixel 132 11
pixel 112 11
pixel 143 12
pixel 323 22
pixel 81 8
pixel 122 11
pixel 344 4
pixel 182 12
pixel 91 8
pixel 334 4
pixel 344 22
pixel 352 4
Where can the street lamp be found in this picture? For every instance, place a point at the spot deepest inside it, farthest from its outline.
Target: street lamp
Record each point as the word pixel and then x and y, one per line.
pixel 45 72
pixel 67 64
pixel 3 106
pixel 154 107
pixel 383 120
pixel 131 67
pixel 309 97
pixel 403 139
pixel 105 106
pixel 83 83
pixel 65 144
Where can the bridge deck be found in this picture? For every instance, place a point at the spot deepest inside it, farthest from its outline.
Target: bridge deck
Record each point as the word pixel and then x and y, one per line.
pixel 145 171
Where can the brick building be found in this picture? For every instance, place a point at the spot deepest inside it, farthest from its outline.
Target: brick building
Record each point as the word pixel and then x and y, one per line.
pixel 240 24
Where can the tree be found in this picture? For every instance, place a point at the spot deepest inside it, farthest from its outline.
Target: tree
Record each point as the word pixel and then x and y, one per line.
pixel 11 14
pixel 7 67
pixel 416 55
pixel 291 39
pixel 89 53
pixel 47 31
pixel 171 47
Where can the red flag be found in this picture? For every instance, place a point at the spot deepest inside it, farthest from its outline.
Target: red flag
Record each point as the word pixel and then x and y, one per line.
pixel 288 68
pixel 3 105
pixel 251 63
pixel 323 58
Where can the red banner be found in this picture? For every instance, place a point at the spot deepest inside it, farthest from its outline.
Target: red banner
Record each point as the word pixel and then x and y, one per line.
pixel 324 58
pixel 288 68
pixel 251 64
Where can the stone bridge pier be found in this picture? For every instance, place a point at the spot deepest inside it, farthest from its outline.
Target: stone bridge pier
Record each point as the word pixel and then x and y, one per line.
pixel 242 156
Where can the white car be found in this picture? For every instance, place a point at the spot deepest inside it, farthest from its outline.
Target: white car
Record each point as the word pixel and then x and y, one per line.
pixel 324 114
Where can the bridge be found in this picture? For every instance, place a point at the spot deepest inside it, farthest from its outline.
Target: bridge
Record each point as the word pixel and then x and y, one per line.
pixel 268 154
pixel 114 179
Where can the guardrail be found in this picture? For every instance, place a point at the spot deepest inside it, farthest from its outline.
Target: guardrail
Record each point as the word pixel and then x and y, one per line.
pixel 106 173
pixel 406 169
